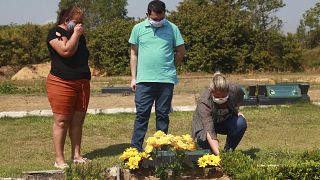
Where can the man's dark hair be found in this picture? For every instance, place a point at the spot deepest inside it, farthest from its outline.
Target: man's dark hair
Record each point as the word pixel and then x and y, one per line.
pixel 156 6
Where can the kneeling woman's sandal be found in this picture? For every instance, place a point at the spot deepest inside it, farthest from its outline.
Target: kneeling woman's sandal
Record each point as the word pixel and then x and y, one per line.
pixel 62 166
pixel 82 160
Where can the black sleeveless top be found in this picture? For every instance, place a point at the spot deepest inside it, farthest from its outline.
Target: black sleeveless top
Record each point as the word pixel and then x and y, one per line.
pixel 72 68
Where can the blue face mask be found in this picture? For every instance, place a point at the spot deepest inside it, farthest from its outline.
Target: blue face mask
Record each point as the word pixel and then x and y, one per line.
pixel 71 25
pixel 157 24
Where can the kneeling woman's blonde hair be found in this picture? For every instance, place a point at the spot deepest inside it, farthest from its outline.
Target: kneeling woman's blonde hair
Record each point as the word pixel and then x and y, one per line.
pixel 219 83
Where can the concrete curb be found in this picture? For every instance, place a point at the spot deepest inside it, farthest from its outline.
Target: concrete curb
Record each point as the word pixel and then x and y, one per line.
pixel 17 114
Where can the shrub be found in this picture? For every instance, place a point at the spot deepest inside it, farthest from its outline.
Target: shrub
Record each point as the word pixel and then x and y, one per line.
pixel 8 88
pixel 304 170
pixel 85 171
pixel 109 47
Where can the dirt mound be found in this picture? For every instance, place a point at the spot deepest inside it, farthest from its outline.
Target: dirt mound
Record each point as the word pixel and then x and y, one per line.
pixel 7 71
pixel 34 71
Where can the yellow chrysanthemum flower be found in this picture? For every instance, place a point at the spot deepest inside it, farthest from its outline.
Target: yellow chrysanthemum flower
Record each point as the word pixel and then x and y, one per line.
pixel 144 155
pixel 191 147
pixel 148 149
pixel 151 140
pixel 133 162
pixel 129 152
pixel 202 162
pixel 187 137
pixel 182 145
pixel 159 134
pixel 209 160
pixel 214 160
pixel 163 141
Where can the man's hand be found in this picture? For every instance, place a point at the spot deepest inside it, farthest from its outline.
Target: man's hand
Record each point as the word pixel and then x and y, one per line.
pixel 240 114
pixel 179 54
pixel 133 85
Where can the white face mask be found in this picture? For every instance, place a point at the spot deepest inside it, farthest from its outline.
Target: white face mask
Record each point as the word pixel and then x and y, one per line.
pixel 220 100
pixel 157 24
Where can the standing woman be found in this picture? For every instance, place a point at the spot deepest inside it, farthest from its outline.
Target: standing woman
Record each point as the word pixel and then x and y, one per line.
pixel 217 112
pixel 68 84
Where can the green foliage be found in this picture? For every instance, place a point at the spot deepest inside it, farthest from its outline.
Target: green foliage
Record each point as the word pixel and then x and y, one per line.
pixel 23 44
pixel 85 171
pixel 173 168
pixel 212 40
pixel 98 12
pixel 231 36
pixel 109 47
pixel 311 58
pixel 308 31
pixel 240 166
pixel 235 36
pixel 298 170
pixel 7 88
pixel 22 87
pixel 311 156
pixel 261 13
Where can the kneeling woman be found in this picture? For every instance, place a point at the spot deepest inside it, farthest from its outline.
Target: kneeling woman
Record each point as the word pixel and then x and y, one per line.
pixel 218 112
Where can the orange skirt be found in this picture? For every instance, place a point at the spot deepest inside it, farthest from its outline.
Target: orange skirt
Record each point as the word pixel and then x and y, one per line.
pixel 67 96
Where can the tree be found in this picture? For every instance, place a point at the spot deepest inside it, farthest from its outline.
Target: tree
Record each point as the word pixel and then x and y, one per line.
pixel 109 47
pixel 234 36
pixel 309 29
pixel 216 37
pixel 262 13
pixel 98 12
pixel 19 49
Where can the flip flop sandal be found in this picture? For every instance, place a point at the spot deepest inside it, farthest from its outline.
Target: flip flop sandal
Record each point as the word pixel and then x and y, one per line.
pixel 62 166
pixel 83 160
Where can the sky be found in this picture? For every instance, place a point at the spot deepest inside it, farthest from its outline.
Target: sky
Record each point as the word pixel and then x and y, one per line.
pixel 44 11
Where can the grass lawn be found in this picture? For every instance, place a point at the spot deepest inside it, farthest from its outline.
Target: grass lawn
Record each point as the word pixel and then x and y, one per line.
pixel 26 142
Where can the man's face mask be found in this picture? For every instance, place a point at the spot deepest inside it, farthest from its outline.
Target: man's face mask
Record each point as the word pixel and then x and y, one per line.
pixel 220 100
pixel 71 25
pixel 157 24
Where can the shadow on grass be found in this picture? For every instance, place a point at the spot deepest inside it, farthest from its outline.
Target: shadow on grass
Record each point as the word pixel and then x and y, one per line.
pixel 112 150
pixel 252 152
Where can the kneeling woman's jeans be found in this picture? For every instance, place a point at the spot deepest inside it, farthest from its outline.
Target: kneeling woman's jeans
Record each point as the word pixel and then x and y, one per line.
pixel 234 127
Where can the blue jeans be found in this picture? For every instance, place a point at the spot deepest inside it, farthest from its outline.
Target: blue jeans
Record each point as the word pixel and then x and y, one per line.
pixel 146 94
pixel 234 127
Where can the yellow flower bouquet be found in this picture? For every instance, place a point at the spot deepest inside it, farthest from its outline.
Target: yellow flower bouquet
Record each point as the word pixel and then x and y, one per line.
pixel 156 146
pixel 162 141
pixel 168 156
pixel 169 152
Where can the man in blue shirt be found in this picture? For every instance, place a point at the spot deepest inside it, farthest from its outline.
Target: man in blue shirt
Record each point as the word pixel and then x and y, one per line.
pixel 157 47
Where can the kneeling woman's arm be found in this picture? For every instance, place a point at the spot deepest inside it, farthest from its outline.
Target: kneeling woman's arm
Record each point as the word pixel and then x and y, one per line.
pixel 214 144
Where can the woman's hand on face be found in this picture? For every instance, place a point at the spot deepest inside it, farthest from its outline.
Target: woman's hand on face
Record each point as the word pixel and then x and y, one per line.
pixel 78 29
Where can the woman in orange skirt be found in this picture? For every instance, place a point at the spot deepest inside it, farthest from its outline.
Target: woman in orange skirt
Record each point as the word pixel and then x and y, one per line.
pixel 68 84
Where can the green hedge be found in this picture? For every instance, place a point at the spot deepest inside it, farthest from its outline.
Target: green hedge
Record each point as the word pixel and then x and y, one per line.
pixel 23 44
pixel 239 165
pixel 220 37
pixel 109 47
